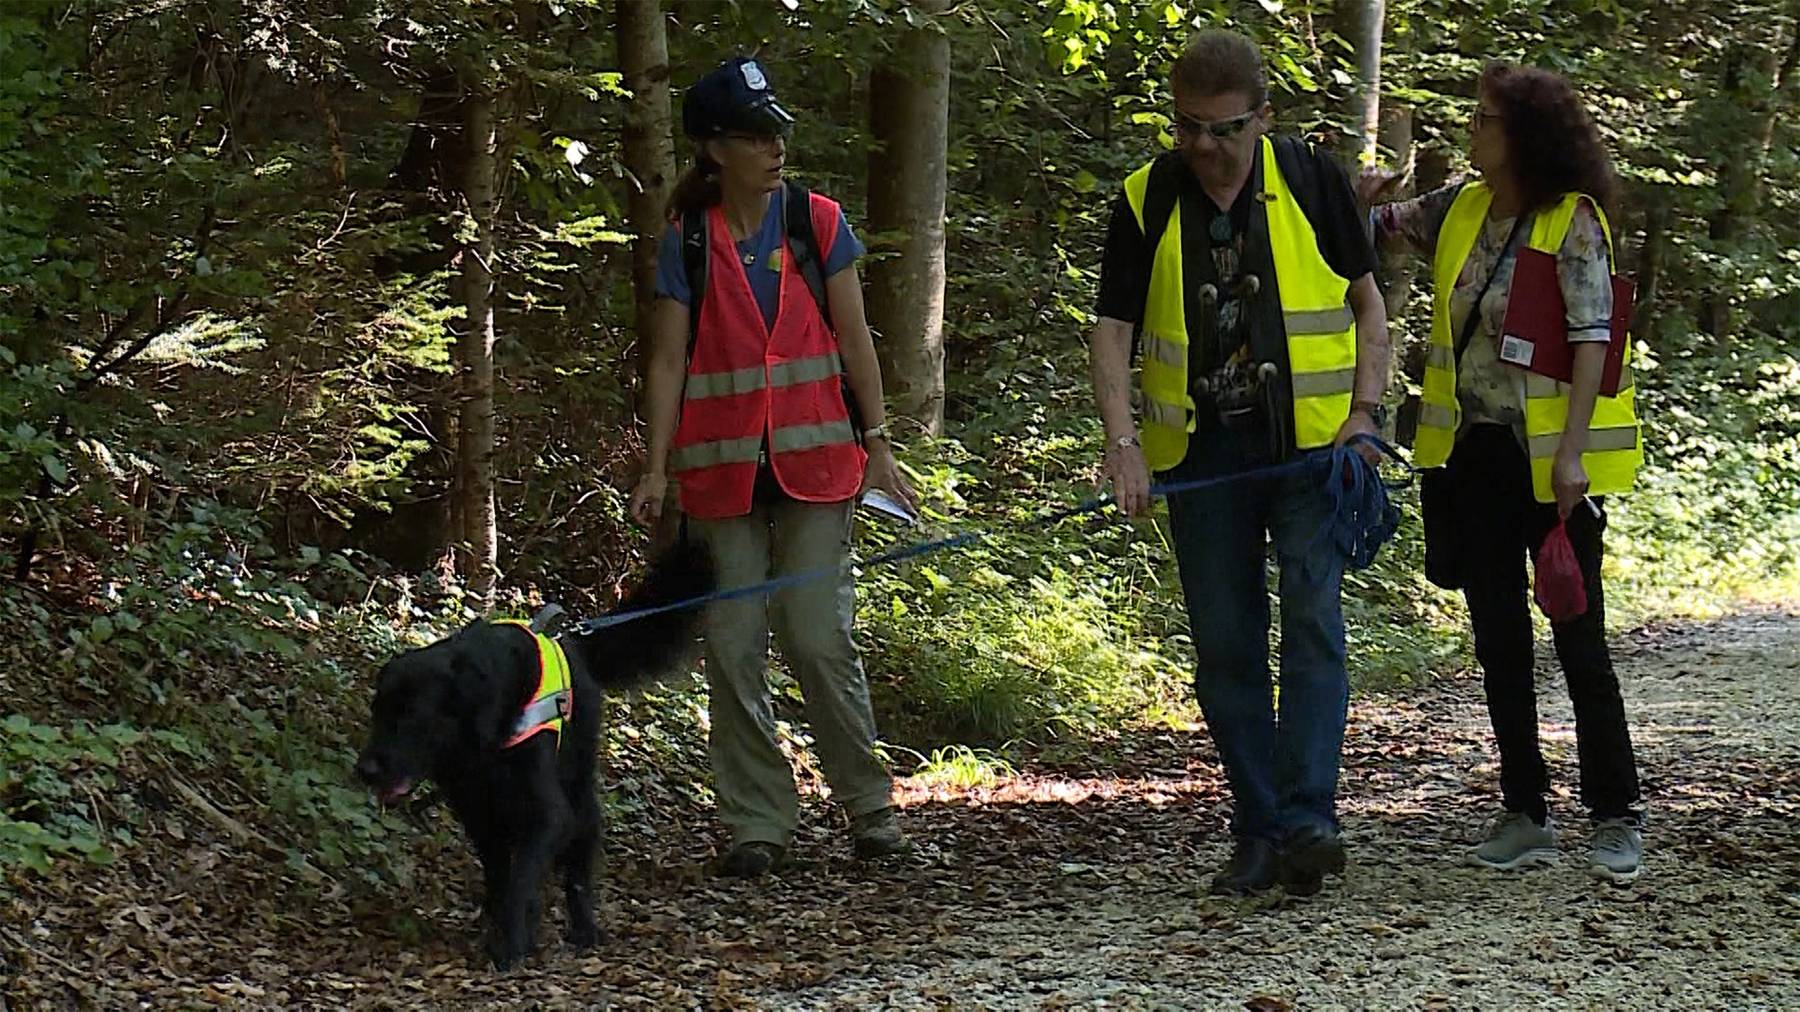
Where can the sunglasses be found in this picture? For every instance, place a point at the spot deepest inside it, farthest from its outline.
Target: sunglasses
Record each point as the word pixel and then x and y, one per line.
pixel 761 142
pixel 1482 116
pixel 1219 129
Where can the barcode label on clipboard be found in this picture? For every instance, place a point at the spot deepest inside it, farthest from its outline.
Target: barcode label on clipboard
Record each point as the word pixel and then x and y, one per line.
pixel 1516 350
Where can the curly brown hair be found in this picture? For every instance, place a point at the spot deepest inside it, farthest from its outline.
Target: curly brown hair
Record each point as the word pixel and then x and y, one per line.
pixel 1552 144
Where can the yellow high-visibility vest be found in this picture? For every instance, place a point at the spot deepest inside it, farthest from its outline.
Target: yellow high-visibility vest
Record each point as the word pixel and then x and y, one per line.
pixel 1615 447
pixel 554 700
pixel 1320 328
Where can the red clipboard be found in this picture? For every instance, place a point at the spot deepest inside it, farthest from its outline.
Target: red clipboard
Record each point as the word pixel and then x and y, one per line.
pixel 1534 334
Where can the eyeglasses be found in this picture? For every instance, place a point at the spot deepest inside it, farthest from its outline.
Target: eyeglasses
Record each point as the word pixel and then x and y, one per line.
pixel 1482 116
pixel 761 142
pixel 1220 129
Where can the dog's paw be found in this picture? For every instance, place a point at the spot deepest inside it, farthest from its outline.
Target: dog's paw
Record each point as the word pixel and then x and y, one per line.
pixel 504 956
pixel 584 933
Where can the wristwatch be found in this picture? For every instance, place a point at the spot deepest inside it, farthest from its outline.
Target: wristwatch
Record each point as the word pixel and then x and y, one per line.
pixel 1126 441
pixel 1376 411
pixel 877 432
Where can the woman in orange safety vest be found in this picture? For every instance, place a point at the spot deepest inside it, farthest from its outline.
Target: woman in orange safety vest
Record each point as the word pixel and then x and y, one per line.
pixel 752 424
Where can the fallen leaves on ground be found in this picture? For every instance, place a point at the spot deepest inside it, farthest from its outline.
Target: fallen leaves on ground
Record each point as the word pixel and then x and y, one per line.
pixel 1074 884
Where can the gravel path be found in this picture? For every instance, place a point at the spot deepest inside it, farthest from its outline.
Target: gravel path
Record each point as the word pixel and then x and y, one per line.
pixel 1714 923
pixel 1075 884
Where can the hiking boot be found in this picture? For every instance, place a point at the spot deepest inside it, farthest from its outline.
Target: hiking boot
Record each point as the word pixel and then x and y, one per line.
pixel 752 859
pixel 1307 856
pixel 1515 841
pixel 1618 852
pixel 878 834
pixel 1250 870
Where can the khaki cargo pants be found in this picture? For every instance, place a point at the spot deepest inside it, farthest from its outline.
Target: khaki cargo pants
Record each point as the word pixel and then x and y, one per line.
pixel 812 623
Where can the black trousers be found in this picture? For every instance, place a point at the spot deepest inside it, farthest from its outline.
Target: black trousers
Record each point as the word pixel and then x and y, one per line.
pixel 1481 521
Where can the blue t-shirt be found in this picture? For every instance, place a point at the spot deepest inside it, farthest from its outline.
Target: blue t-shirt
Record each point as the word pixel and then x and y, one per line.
pixel 764 268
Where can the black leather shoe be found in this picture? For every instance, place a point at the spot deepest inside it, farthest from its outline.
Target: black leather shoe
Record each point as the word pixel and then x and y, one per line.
pixel 1251 869
pixel 1308 855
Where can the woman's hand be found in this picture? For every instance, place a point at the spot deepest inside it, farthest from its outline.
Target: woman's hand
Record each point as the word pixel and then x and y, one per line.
pixel 1568 480
pixel 883 472
pixel 647 498
pixel 1373 184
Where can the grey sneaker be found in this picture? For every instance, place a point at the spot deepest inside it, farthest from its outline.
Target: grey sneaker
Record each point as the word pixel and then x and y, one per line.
pixel 1516 842
pixel 1618 853
pixel 878 834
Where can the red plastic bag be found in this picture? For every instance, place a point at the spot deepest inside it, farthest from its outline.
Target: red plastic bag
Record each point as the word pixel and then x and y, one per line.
pixel 1561 591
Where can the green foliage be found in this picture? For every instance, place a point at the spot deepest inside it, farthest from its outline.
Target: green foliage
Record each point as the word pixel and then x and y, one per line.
pixel 1717 516
pixel 51 779
pixel 963 768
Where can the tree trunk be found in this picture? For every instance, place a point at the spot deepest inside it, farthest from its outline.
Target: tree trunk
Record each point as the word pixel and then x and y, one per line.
pixel 909 114
pixel 1649 268
pixel 1360 22
pixel 1741 179
pixel 649 143
pixel 1396 273
pixel 475 358
pixel 1756 89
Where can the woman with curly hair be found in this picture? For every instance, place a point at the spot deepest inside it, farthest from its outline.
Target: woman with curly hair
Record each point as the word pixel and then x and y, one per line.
pixel 1513 453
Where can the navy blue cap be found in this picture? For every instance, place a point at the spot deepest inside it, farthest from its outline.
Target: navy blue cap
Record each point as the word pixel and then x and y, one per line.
pixel 736 96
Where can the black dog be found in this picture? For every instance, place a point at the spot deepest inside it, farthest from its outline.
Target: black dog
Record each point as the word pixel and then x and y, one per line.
pixel 451 712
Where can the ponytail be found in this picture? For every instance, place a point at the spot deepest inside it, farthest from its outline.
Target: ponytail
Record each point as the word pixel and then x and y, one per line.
pixel 697 189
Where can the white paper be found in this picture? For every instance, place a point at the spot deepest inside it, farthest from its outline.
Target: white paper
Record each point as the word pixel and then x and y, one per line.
pixel 887 505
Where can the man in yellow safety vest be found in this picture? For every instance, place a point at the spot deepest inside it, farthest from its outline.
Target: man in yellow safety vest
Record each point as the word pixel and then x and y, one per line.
pixel 1239 265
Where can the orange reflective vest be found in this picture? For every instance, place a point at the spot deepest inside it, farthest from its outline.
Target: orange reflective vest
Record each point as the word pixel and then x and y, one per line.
pixel 747 382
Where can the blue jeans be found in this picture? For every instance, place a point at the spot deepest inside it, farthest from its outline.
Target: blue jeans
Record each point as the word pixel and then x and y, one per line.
pixel 1283 769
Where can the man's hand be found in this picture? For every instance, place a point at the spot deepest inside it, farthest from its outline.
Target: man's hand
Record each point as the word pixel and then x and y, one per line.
pixel 1569 480
pixel 647 498
pixel 1130 477
pixel 883 472
pixel 1360 422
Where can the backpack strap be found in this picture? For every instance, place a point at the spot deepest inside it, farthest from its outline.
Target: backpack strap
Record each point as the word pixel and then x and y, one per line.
pixel 803 239
pixel 1160 193
pixel 693 261
pixel 807 257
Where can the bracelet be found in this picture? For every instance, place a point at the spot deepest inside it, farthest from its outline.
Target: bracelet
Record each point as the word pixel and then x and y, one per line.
pixel 877 432
pixel 1376 411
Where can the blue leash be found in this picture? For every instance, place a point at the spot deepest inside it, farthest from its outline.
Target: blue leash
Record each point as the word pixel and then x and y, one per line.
pixel 1362 517
pixel 1361 520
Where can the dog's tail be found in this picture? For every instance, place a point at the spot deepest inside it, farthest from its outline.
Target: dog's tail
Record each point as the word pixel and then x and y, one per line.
pixel 655 646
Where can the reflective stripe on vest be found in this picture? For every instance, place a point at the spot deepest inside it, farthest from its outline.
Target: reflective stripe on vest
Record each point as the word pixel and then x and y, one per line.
pixel 554 698
pixel 1320 327
pixel 1615 448
pixel 748 381
pixel 746 450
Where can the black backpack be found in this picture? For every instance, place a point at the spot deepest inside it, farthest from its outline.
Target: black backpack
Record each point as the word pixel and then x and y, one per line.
pixel 797 215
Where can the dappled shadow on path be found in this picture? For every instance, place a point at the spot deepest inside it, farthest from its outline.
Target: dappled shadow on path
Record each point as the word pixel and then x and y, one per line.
pixel 1078 881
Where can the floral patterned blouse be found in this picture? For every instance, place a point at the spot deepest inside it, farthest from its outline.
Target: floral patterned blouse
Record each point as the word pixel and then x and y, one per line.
pixel 1490 390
